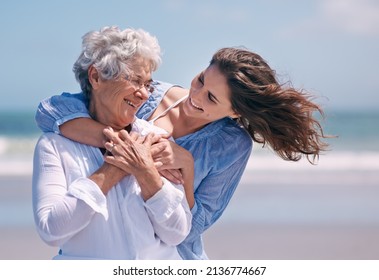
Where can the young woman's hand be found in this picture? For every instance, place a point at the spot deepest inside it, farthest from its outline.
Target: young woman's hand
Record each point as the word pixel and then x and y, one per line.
pixel 169 155
pixel 175 164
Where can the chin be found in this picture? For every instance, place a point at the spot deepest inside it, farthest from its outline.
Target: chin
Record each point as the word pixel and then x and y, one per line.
pixel 127 121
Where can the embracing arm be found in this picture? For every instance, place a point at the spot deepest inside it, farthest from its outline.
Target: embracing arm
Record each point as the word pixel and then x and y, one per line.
pixel 68 115
pixel 215 192
pixel 176 164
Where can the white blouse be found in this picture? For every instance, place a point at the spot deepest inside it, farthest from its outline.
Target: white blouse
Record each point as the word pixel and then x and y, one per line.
pixel 72 213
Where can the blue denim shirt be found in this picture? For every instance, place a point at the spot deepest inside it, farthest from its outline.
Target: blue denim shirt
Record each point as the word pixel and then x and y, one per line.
pixel 221 151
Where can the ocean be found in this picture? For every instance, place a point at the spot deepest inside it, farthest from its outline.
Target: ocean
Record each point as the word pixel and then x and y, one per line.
pixel 357 139
pixel 340 192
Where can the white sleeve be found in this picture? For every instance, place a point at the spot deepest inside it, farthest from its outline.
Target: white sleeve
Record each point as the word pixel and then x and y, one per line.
pixel 168 209
pixel 61 210
pixel 169 213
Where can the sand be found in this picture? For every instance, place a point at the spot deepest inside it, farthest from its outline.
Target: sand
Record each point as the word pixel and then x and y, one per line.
pixel 273 215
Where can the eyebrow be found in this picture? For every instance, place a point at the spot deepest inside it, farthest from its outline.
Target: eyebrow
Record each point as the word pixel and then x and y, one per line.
pixel 139 78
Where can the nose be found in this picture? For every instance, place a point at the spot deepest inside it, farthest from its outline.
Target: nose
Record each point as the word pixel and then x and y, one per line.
pixel 198 93
pixel 142 93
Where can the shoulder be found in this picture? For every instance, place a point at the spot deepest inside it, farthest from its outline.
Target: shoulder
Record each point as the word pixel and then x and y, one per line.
pixel 165 90
pixel 234 147
pixel 221 143
pixel 223 132
pixel 50 143
pixel 174 93
pixel 232 137
pixel 51 140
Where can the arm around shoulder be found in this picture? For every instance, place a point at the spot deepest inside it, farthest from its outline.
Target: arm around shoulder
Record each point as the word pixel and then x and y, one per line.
pixel 67 114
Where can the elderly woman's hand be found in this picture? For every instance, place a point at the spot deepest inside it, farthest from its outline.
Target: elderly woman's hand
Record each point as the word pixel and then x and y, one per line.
pixel 132 153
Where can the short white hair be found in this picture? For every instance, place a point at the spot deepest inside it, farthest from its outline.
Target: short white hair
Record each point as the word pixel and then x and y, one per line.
pixel 113 52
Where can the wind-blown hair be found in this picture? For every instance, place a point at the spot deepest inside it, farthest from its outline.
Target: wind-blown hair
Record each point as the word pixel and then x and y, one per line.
pixel 273 114
pixel 113 52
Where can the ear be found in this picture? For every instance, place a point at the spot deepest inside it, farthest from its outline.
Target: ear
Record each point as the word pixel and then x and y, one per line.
pixel 93 77
pixel 235 115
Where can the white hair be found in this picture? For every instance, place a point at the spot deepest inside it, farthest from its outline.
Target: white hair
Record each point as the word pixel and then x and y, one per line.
pixel 114 52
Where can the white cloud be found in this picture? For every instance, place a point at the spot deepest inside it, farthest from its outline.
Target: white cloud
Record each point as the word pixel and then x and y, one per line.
pixel 349 17
pixel 359 17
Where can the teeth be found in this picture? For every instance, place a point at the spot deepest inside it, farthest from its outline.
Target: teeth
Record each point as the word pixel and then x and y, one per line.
pixel 130 103
pixel 194 105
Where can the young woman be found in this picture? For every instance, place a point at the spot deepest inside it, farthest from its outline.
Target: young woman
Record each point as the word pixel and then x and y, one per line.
pixel 235 100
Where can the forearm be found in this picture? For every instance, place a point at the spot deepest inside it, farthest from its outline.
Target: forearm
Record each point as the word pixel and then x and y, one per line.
pixel 84 130
pixel 149 181
pixel 188 180
pixel 107 176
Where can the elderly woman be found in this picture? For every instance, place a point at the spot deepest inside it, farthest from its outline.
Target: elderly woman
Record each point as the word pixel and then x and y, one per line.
pixel 91 209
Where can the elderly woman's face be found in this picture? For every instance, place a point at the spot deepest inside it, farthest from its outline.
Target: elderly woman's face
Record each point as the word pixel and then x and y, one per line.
pixel 117 101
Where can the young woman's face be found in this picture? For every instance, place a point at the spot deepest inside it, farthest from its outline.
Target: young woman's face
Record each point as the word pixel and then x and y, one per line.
pixel 209 97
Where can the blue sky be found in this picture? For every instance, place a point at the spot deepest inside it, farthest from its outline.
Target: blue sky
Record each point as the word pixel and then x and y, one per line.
pixel 329 47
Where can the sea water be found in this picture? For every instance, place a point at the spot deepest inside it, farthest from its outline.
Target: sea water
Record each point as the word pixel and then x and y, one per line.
pixel 353 154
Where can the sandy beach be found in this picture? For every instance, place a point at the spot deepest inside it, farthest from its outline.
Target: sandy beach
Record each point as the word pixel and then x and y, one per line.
pixel 280 214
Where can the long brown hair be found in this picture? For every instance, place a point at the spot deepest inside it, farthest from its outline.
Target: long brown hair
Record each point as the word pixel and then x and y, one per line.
pixel 273 114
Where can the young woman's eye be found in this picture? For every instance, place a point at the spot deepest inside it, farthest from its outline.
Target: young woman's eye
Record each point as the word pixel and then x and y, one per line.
pixel 211 98
pixel 201 79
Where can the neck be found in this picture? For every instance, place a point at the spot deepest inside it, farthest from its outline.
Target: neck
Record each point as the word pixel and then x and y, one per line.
pixel 186 125
pixel 92 109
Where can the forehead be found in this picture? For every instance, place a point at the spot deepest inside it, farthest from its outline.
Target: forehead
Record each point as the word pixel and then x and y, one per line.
pixel 216 82
pixel 141 68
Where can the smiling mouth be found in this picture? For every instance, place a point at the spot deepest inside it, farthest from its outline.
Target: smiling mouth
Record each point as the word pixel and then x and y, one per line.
pixel 194 105
pixel 130 103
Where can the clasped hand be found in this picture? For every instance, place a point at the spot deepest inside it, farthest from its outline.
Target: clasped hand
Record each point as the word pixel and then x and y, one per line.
pixel 134 154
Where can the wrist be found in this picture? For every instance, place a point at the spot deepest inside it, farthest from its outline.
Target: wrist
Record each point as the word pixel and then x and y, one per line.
pixel 188 162
pixel 107 176
pixel 150 182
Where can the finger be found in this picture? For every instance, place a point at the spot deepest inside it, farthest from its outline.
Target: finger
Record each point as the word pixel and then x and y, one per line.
pixel 168 175
pixel 155 138
pixel 176 174
pixel 150 139
pixel 158 164
pixel 112 160
pixel 111 147
pixel 156 149
pixel 134 136
pixel 166 136
pixel 125 136
pixel 111 135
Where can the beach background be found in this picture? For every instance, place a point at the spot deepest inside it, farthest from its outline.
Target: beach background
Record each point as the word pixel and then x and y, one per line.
pixel 280 210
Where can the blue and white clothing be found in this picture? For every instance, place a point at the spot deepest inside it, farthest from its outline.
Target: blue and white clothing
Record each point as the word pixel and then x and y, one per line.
pixel 221 151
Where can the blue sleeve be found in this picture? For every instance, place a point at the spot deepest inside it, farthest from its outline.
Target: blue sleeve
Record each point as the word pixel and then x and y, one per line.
pixel 58 109
pixel 215 191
